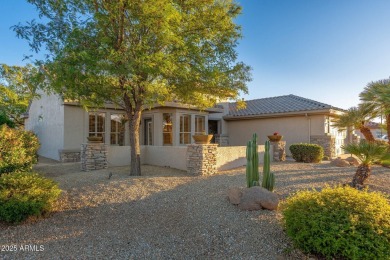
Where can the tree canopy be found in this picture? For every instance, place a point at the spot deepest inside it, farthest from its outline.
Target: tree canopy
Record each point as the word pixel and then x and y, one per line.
pixel 136 53
pixel 357 118
pixel 376 96
pixel 17 88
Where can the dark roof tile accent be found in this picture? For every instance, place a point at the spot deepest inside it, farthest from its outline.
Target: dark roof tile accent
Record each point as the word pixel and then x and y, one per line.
pixel 276 105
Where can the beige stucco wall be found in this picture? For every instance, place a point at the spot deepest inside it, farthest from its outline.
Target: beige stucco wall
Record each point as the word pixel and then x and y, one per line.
pixel 120 155
pixel 166 156
pixel 175 156
pixel 295 129
pixel 76 127
pixel 230 157
pixel 46 120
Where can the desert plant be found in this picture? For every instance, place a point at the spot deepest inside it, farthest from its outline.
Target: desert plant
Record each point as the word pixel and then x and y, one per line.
pixel 252 162
pixel 25 194
pixel 368 153
pixel 268 177
pixel 340 222
pixel 357 118
pixel 376 96
pixel 307 152
pixel 18 149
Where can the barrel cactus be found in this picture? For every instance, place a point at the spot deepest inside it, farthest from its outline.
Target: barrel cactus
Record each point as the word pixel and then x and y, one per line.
pixel 252 165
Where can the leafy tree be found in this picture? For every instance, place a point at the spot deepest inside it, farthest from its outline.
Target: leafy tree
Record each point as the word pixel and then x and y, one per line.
pixel 368 153
pixel 376 95
pixel 5 120
pixel 356 117
pixel 136 53
pixel 17 88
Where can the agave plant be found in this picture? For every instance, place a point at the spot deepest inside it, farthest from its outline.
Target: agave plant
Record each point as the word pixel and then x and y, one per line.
pixel 368 153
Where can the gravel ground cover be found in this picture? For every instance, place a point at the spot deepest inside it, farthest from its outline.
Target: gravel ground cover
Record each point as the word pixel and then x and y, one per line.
pixel 165 214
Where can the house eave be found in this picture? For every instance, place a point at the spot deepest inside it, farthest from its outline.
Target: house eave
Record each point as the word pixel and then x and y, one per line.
pixel 328 112
pixel 155 106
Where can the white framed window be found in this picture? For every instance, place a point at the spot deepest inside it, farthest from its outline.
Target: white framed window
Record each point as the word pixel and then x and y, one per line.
pixel 185 129
pixel 96 124
pixel 117 134
pixel 167 129
pixel 200 125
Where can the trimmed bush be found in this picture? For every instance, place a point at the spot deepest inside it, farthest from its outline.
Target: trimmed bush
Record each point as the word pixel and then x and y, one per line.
pixel 25 194
pixel 340 222
pixel 307 152
pixel 18 150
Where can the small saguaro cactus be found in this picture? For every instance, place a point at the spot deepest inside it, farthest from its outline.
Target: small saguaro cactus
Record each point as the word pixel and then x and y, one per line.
pixel 252 164
pixel 268 177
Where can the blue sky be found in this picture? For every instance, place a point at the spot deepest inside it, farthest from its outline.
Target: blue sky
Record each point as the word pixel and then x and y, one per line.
pixel 326 50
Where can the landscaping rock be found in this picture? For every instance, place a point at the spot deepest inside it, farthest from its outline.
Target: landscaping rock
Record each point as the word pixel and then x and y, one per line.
pixel 256 198
pixel 234 195
pixel 340 162
pixel 353 161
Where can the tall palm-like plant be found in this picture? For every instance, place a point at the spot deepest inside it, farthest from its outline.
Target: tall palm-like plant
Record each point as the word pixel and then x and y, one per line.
pixel 368 153
pixel 376 96
pixel 356 117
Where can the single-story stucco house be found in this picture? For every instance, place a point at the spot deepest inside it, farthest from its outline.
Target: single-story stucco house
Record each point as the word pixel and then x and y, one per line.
pixel 63 126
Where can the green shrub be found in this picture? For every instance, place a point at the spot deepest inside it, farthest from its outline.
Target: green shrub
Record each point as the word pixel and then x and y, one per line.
pixel 24 194
pixel 307 152
pixel 5 120
pixel 339 222
pixel 18 149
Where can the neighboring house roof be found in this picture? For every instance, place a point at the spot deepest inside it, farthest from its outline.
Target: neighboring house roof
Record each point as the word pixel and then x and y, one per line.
pixel 373 125
pixel 288 104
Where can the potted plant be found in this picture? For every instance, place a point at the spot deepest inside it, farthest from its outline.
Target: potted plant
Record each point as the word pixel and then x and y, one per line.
pixel 276 137
pixel 95 139
pixel 202 138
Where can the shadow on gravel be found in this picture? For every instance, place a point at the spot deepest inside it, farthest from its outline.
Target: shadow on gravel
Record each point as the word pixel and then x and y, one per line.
pixel 190 220
pixel 164 215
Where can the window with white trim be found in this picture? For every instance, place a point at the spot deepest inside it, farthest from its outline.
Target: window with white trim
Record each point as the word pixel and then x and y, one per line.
pixel 97 124
pixel 200 125
pixel 167 129
pixel 185 129
pixel 117 135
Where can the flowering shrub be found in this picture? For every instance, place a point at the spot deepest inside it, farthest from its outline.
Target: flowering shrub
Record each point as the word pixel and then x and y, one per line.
pixel 18 149
pixel 341 223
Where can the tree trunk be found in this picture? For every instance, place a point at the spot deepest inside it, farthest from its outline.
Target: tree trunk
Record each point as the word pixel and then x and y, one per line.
pixel 133 112
pixel 361 175
pixel 135 150
pixel 388 126
pixel 367 134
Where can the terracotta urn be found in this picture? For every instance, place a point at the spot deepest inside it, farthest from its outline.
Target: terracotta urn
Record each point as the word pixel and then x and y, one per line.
pixel 202 139
pixel 275 138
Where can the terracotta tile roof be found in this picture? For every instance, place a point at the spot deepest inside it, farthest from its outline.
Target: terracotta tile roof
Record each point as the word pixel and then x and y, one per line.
pixel 277 105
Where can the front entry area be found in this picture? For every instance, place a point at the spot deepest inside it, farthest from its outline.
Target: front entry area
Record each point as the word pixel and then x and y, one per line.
pixel 213 129
pixel 148 132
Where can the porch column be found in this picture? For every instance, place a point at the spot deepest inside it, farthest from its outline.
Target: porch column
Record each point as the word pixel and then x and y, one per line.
pixel 279 151
pixel 93 156
pixel 327 141
pixel 202 159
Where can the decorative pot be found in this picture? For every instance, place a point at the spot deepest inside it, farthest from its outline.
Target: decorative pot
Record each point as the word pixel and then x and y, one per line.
pixel 202 139
pixel 275 138
pixel 95 139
